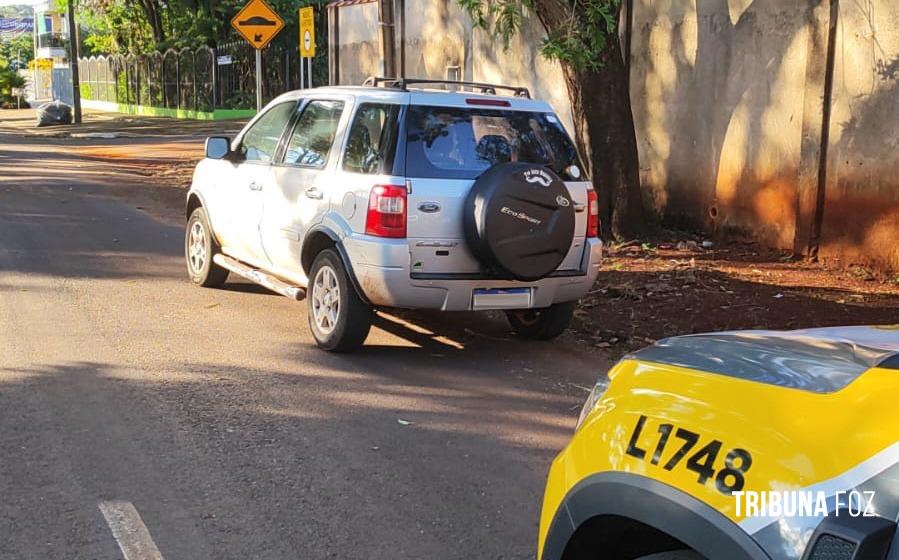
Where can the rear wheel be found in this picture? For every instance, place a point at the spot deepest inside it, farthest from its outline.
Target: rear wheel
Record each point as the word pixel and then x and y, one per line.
pixel 338 318
pixel 199 248
pixel 541 324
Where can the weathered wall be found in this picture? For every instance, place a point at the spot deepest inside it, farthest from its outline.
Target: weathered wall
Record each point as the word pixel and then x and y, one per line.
pixel 717 89
pixel 728 99
pixel 861 216
pixel 435 38
pixel 359 49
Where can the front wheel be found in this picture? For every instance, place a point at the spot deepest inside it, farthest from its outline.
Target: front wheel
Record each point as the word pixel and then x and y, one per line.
pixel 338 318
pixel 541 324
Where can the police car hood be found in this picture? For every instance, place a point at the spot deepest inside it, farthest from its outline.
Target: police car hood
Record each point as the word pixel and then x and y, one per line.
pixel 822 360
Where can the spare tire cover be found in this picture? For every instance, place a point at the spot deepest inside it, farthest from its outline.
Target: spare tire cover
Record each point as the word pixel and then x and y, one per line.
pixel 519 220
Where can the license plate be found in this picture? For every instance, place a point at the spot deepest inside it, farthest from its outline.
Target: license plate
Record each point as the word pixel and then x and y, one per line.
pixel 501 298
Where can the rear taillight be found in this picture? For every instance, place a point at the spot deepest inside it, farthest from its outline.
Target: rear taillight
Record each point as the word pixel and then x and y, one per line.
pixel 386 215
pixel 592 213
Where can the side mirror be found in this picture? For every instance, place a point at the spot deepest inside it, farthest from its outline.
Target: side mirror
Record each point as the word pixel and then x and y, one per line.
pixel 218 147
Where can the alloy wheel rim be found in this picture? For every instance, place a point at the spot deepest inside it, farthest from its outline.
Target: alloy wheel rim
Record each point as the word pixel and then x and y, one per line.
pixel 196 248
pixel 325 299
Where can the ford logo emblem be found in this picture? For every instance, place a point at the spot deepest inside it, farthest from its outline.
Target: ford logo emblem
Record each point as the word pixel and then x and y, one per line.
pixel 429 207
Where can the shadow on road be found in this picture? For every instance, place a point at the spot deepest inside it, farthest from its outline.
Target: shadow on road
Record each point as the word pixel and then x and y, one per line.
pixel 323 462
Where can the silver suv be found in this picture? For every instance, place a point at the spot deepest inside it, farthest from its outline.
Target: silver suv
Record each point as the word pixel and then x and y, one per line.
pixel 399 194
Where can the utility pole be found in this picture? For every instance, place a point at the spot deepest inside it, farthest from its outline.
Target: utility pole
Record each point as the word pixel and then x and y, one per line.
pixel 19 69
pixel 73 61
pixel 35 73
pixel 386 21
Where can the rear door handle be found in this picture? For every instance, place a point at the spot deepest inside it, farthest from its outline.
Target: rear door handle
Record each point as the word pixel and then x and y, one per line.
pixel 254 186
pixel 314 193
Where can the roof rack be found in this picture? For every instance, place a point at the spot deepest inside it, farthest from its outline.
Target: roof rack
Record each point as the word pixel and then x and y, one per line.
pixel 404 83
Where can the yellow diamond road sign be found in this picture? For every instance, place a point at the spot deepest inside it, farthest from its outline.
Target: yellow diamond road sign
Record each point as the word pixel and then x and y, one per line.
pixel 307 32
pixel 258 23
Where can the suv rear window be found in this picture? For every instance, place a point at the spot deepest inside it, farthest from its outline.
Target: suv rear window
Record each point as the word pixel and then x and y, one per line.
pixel 461 143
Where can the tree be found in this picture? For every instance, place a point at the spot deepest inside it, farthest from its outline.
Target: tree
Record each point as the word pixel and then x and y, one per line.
pixel 9 79
pixel 18 51
pixel 140 26
pixel 582 35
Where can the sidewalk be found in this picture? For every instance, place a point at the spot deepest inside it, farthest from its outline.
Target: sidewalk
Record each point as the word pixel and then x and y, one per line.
pixel 100 124
pixel 155 147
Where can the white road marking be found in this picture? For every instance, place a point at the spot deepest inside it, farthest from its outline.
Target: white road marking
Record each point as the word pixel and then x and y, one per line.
pixel 129 531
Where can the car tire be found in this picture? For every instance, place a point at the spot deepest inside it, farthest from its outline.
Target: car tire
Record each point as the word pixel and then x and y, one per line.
pixel 338 318
pixel 541 324
pixel 199 249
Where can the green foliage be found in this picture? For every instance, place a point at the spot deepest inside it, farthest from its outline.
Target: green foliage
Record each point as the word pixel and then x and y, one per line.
pixel 241 100
pixel 117 27
pixel 578 31
pixel 19 49
pixel 87 91
pixel 128 26
pixel 9 79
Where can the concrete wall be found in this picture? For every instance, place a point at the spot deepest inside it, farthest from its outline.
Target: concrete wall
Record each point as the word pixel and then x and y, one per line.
pixel 359 50
pixel 729 101
pixel 861 216
pixel 436 35
pixel 717 89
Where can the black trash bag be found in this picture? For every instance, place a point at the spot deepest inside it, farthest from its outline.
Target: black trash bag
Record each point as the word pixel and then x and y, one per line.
pixel 54 112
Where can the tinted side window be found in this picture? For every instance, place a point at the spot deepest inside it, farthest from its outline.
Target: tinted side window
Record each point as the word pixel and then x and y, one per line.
pixel 261 140
pixel 313 135
pixel 372 139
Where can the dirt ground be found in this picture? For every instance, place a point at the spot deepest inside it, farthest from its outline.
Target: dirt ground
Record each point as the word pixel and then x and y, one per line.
pixel 646 290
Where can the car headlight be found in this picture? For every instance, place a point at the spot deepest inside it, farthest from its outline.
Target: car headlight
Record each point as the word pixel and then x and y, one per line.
pixel 598 391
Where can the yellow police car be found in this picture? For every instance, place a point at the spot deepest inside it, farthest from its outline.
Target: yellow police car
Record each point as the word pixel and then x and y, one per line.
pixel 750 445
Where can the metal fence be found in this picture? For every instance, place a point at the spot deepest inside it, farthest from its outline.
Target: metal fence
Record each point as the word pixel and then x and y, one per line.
pixel 200 79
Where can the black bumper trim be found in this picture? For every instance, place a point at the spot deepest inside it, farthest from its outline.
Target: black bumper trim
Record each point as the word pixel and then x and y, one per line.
pixel 652 503
pixel 483 276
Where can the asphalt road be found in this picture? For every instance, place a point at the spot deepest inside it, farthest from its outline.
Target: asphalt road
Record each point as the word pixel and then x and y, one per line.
pixel 142 416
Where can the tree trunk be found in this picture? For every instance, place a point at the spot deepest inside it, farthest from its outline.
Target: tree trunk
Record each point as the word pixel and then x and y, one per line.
pixel 604 129
pixel 152 12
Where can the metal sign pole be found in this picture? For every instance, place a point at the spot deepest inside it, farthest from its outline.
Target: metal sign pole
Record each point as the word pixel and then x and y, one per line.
pixel 35 74
pixel 310 71
pixel 302 72
pixel 258 80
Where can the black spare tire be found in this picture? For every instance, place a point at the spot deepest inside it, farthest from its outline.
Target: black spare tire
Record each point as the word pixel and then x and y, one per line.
pixel 519 220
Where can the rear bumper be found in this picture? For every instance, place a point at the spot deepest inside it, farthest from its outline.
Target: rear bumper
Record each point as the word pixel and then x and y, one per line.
pixel 382 269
